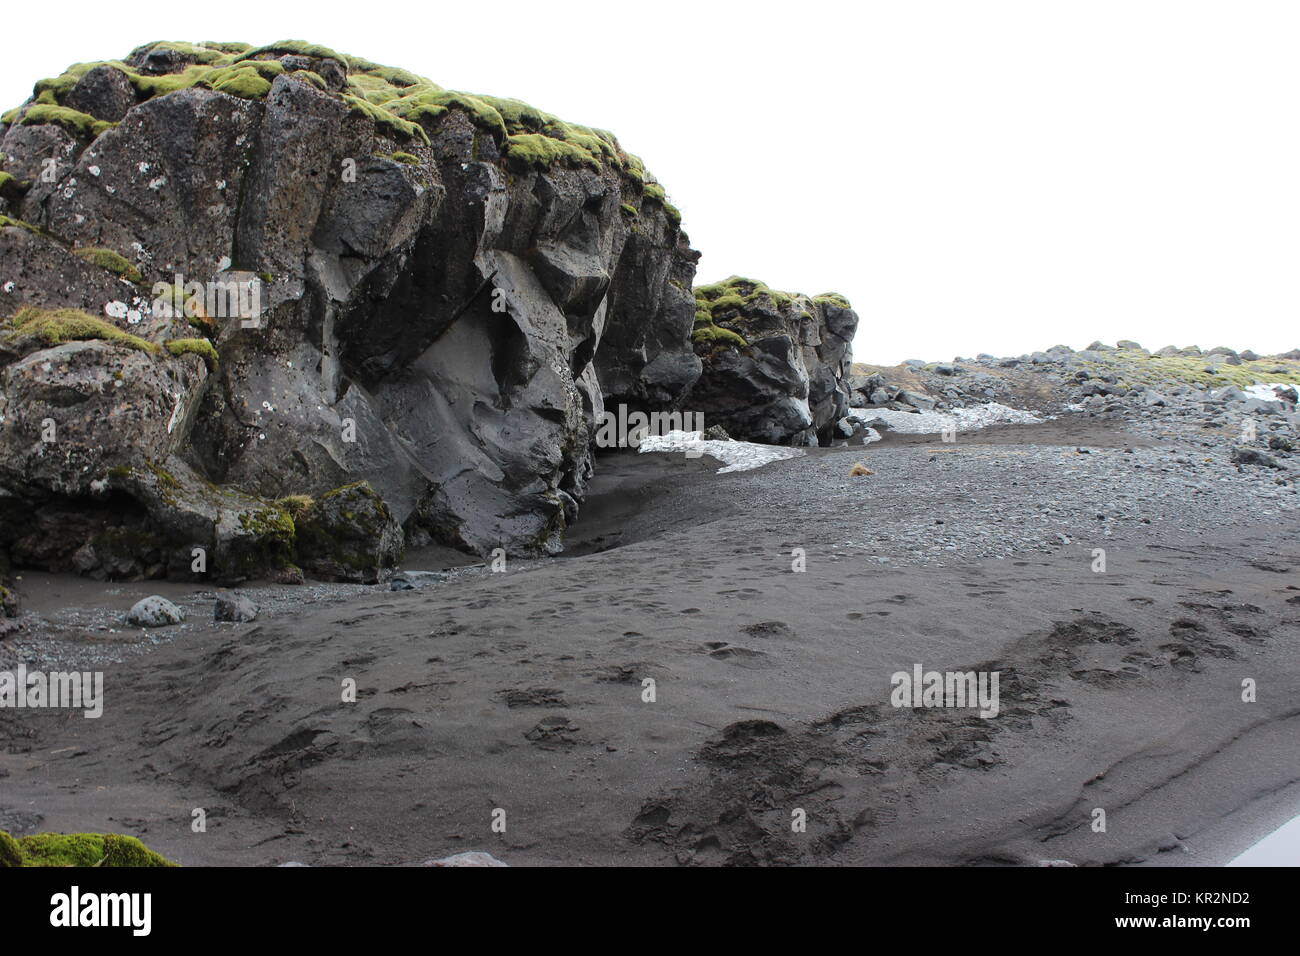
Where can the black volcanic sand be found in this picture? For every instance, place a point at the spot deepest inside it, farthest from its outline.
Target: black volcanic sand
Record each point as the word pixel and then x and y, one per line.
pixel 523 690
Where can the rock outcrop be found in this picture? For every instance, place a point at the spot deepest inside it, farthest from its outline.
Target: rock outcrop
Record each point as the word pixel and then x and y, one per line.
pixel 776 364
pixel 233 279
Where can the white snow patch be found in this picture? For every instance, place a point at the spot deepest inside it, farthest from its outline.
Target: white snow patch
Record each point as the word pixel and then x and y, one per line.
pixel 1265 391
pixel 734 455
pixel 964 419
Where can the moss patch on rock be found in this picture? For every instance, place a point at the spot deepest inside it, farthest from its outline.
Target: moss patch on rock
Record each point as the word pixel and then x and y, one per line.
pixel 347 534
pixel 535 149
pixel 8 222
pixel 11 187
pixel 112 261
pixel 735 293
pixel 81 125
pixel 200 347
pixel 266 543
pixel 56 326
pixel 248 84
pixel 11 854
pixel 78 849
pixel 716 335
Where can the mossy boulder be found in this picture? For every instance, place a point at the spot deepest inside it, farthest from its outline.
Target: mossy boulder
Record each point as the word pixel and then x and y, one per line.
pixel 95 398
pixel 241 536
pixel 776 364
pixel 348 534
pixel 77 849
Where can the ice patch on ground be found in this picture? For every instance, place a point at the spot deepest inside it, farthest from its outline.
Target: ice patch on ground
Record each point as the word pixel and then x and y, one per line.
pixel 1265 392
pixel 965 419
pixel 734 455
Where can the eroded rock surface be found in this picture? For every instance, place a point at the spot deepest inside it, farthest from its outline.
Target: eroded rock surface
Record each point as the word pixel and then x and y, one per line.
pixel 234 277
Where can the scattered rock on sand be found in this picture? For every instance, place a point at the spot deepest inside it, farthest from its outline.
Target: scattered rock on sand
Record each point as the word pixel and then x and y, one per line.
pixel 1253 456
pixel 472 858
pixel 154 611
pixel 234 607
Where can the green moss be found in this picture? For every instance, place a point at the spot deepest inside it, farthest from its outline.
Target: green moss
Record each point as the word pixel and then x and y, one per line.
pixel 11 854
pixel 55 326
pixel 150 86
pixel 271 520
pixel 406 158
pixel 629 210
pixel 1137 369
pixel 726 302
pixel 244 82
pixel 315 79
pixel 401 103
pixel 427 105
pixel 110 260
pixel 833 298
pixel 732 301
pixel 715 335
pixel 536 149
pixel 87 849
pixel 200 347
pixel 387 75
pixel 268 544
pixel 385 120
pixel 8 223
pixel 228 46
pixel 75 122
pixel 296 47
pixel 296 505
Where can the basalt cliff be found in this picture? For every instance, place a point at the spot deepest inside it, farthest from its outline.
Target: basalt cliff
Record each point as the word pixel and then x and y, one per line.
pixel 283 310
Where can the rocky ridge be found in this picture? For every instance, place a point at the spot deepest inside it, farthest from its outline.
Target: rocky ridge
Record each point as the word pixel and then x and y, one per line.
pixel 1243 405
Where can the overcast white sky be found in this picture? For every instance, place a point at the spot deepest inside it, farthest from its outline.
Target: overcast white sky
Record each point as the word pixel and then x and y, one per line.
pixel 975 176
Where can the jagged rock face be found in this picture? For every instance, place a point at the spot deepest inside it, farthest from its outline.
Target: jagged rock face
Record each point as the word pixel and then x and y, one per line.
pixel 437 312
pixel 645 360
pixel 775 364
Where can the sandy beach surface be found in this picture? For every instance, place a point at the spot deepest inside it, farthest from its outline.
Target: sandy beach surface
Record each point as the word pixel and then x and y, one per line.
pixel 522 695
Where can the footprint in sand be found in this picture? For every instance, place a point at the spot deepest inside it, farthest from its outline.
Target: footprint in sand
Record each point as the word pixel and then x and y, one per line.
pixel 769 629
